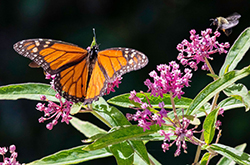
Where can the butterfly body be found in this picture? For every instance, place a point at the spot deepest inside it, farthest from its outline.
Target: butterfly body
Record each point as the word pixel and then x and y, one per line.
pixel 80 75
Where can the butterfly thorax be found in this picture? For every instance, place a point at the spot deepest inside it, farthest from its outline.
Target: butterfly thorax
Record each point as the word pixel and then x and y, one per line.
pixel 92 56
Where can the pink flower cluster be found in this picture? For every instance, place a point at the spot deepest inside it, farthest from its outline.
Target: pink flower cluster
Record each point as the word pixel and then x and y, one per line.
pixel 12 159
pixel 182 133
pixel 200 47
pixel 146 118
pixel 169 80
pixel 54 111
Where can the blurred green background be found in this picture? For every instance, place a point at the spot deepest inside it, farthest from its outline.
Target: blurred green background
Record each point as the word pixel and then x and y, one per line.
pixel 153 27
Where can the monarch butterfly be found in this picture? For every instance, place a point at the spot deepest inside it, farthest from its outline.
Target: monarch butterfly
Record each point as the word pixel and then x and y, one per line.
pixel 80 75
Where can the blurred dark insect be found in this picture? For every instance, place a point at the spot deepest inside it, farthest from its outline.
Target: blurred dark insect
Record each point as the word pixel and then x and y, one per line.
pixel 226 24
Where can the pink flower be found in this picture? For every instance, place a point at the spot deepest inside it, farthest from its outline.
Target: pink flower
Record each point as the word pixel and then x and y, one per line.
pixel 200 47
pixel 221 111
pixel 55 111
pixel 113 84
pixel 169 80
pixel 134 97
pixel 12 159
pixel 218 124
pixel 182 133
pixel 145 117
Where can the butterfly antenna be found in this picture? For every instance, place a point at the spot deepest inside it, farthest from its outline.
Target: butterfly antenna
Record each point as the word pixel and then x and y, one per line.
pixel 94 33
pixel 94 39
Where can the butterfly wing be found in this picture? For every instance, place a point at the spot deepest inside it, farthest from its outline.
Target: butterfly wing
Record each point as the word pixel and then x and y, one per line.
pixel 66 60
pixel 110 64
pixel 52 55
pixel 71 83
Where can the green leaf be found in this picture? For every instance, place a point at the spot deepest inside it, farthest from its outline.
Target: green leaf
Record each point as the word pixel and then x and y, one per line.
pixel 239 92
pixel 231 153
pixel 204 159
pixel 72 156
pixel 123 100
pixel 116 118
pixel 139 161
pixel 216 86
pixel 236 52
pixel 111 114
pixel 123 152
pixel 75 108
pixel 213 75
pixel 230 103
pixel 31 91
pixel 86 128
pixel 209 126
pixel 226 161
pixel 140 150
pixel 117 136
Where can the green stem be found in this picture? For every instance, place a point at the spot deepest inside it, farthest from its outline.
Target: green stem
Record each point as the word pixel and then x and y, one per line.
pixel 217 94
pixel 210 67
pixel 174 109
pixel 198 152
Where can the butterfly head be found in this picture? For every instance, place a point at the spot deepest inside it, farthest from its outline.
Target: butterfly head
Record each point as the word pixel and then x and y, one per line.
pixel 93 52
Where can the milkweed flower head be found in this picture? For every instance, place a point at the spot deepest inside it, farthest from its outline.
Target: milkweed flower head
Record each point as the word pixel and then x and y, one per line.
pixel 170 79
pixel 143 115
pixel 12 159
pixel 200 47
pixel 181 134
pixel 53 110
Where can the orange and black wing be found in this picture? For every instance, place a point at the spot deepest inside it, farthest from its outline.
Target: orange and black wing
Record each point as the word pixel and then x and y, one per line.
pixel 110 64
pixel 53 56
pixel 71 83
pixel 67 61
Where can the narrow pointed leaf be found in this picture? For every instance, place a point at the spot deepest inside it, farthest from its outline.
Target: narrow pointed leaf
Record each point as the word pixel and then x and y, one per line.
pixel 117 136
pixel 140 150
pixel 226 161
pixel 209 126
pixel 123 153
pixel 211 89
pixel 72 156
pixel 31 91
pixel 75 108
pixel 236 52
pixel 204 159
pixel 86 128
pixel 116 118
pixel 239 92
pixel 123 100
pixel 230 103
pixel 231 153
pixel 139 161
pixel 111 114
